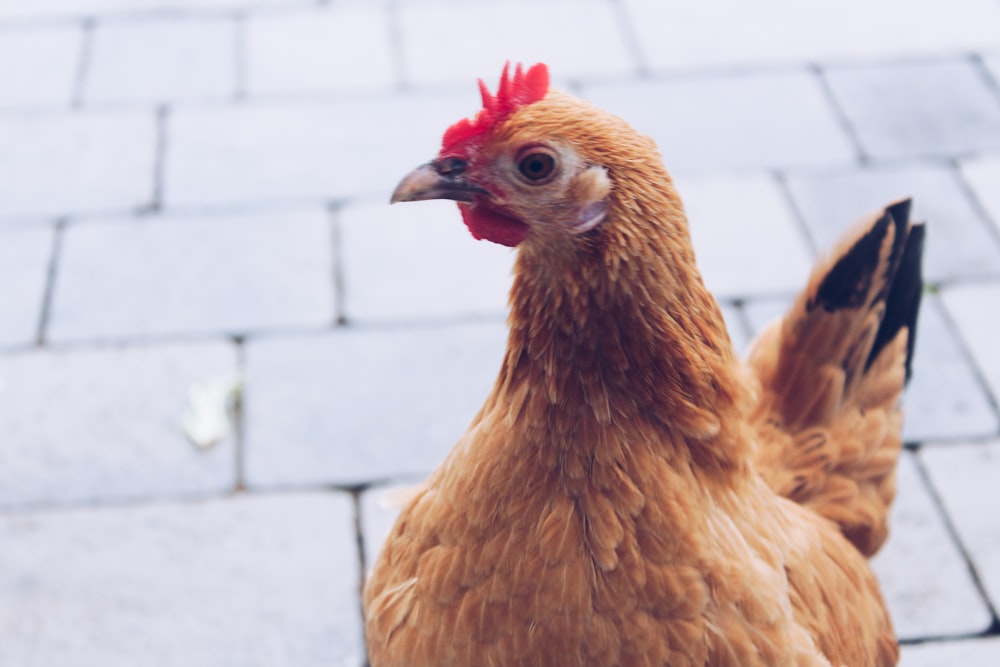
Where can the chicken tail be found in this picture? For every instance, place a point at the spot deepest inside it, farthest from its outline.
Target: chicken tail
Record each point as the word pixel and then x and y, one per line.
pixel 831 373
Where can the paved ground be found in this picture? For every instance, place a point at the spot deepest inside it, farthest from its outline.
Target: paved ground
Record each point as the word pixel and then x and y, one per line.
pixel 193 191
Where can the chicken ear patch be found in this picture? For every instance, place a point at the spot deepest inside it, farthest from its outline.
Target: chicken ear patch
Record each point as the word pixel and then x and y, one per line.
pixel 524 87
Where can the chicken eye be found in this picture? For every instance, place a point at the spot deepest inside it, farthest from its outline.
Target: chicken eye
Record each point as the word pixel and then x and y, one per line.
pixel 537 167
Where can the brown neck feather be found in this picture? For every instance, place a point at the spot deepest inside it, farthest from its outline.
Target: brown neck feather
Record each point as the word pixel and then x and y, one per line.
pixel 617 338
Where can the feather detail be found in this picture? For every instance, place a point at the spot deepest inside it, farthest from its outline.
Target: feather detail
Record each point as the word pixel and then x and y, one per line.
pixel 832 371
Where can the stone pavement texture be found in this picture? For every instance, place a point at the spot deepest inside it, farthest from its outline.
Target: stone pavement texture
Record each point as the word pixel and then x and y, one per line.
pixel 194 191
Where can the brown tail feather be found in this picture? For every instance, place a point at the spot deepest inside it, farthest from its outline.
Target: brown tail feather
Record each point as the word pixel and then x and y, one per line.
pixel 831 374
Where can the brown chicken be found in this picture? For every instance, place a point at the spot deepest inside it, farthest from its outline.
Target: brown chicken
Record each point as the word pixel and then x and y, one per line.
pixel 630 493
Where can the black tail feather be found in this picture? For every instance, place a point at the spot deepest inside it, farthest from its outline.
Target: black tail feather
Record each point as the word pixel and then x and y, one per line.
pixel 902 303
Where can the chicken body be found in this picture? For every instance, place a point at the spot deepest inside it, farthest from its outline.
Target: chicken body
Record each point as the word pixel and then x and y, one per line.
pixel 619 499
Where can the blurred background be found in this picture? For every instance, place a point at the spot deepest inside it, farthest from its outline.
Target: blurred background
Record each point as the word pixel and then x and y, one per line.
pixel 219 346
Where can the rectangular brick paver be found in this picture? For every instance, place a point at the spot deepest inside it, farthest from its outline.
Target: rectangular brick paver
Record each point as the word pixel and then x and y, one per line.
pixel 965 477
pixel 39 67
pixel 725 122
pixel 739 225
pixel 932 595
pixel 25 255
pixel 918 109
pixel 459 42
pixel 418 262
pixel 967 653
pixel 983 174
pixel 304 151
pixel 61 163
pixel 199 274
pixel 960 242
pixel 365 404
pixel 241 582
pixel 347 48
pixel 972 307
pixel 102 424
pixel 720 33
pixel 62 9
pixel 162 60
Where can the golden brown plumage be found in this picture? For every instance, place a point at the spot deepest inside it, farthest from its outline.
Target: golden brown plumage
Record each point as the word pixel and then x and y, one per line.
pixel 610 503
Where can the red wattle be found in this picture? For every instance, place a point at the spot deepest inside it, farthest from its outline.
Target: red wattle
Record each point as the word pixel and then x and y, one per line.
pixel 489 224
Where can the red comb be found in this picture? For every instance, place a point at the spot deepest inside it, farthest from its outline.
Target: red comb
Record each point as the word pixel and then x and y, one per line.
pixel 513 92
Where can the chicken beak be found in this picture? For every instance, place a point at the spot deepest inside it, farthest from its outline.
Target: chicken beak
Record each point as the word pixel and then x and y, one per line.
pixel 440 179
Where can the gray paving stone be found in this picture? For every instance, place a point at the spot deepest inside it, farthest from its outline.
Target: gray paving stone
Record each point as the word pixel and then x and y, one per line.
pixel 973 309
pixel 725 122
pixel 45 9
pixel 943 399
pixel 364 405
pixel 347 48
pixel 923 109
pixel 418 262
pixel 460 42
pixel 745 236
pixel 966 652
pixel 38 67
pixel 162 60
pixel 965 477
pixel 992 62
pixel 721 33
pixel 24 264
pixel 98 424
pixel 245 581
pixel 960 242
pixel 932 595
pixel 61 163
pixel 983 174
pixel 199 274
pixel 302 151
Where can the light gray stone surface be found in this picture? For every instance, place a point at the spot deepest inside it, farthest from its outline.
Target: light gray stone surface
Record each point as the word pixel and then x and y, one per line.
pixel 965 477
pixel 967 653
pixel 458 42
pixel 242 581
pixel 745 236
pixel 918 109
pixel 944 399
pixel 160 60
pixel 364 404
pixel 972 307
pixel 983 174
pixel 992 62
pixel 732 121
pixel 25 255
pixel 922 573
pixel 95 425
pixel 304 151
pixel 720 33
pixel 419 262
pixel 199 274
pixel 38 67
pixel 64 162
pixel 343 49
pixel 48 9
pixel 960 242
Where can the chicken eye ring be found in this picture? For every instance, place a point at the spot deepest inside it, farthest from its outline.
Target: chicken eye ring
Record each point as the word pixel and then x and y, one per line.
pixel 537 166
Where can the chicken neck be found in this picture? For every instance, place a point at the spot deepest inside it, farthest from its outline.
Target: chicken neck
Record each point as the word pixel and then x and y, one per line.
pixel 615 338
